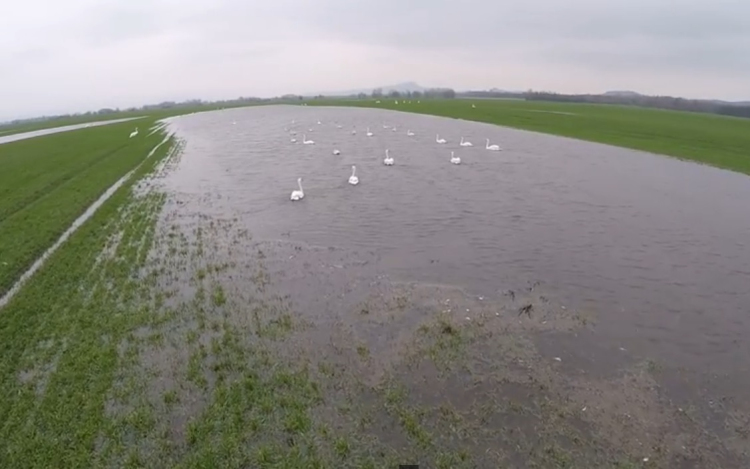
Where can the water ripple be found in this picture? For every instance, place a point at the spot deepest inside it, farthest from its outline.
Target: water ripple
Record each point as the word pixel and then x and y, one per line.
pixel 660 246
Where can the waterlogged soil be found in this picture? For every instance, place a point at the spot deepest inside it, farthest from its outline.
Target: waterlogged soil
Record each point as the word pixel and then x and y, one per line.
pixel 277 352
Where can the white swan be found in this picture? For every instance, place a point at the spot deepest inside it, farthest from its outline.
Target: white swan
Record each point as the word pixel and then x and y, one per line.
pixel 385 126
pixel 394 129
pixel 473 106
pixel 369 134
pixel 336 152
pixel 294 140
pixel 353 179
pixel 409 133
pixel 388 161
pixel 455 159
pixel 306 141
pixel 465 143
pixel 492 147
pixel 438 139
pixel 354 131
pixel 298 195
pixel 310 129
pixel 318 122
pixel 134 133
pixel 396 102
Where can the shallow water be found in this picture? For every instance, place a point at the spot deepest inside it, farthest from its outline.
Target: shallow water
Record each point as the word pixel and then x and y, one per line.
pixel 54 130
pixel 659 248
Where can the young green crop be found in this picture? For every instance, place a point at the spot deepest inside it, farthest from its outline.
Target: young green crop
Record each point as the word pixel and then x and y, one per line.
pixel 47 182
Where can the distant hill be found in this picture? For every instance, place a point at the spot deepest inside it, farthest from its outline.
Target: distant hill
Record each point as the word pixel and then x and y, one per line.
pixel 408 86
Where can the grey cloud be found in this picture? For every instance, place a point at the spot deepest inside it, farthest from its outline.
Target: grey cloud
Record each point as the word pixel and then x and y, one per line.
pixel 211 47
pixel 690 34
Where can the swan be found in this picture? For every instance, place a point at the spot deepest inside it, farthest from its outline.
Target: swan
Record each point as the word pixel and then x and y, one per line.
pixel 377 102
pixel 310 129
pixel 298 195
pixel 306 141
pixel 294 140
pixel 338 126
pixel 394 129
pixel 438 139
pixel 336 152
pixel 388 161
pixel 473 106
pixel 465 143
pixel 385 126
pixel 396 102
pixel 492 147
pixel 353 179
pixel 354 131
pixel 318 122
pixel 134 133
pixel 455 159
pixel 409 133
pixel 369 134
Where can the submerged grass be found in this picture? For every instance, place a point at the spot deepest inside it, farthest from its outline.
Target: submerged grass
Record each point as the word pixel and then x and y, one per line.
pixel 719 141
pixel 59 337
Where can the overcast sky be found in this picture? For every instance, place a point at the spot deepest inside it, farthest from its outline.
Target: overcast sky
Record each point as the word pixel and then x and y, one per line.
pixel 76 55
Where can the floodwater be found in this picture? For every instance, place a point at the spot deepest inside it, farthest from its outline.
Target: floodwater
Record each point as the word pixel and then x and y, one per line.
pixel 54 130
pixel 658 248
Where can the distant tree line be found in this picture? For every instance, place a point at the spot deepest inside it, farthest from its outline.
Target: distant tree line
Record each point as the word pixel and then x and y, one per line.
pixel 443 93
pixel 635 99
pixel 493 93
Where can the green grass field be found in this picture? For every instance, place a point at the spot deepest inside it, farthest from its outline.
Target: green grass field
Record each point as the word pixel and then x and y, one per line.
pixel 47 182
pixel 10 129
pixel 719 141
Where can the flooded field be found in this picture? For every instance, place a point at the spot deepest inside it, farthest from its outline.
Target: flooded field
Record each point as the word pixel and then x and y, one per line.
pixel 660 248
pixel 555 302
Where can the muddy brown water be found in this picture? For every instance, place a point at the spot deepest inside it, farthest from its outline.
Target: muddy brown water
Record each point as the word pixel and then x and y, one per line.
pixel 658 247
